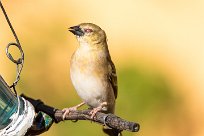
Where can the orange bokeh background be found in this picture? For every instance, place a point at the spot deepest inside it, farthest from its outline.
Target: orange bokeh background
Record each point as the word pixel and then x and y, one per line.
pixel 164 37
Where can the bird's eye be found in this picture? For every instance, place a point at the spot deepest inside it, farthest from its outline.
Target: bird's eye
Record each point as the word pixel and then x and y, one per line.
pixel 88 30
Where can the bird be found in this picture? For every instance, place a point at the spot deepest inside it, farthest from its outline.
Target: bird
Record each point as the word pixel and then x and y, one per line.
pixel 92 72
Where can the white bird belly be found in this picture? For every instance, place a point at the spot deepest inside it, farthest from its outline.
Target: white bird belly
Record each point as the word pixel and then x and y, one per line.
pixel 88 86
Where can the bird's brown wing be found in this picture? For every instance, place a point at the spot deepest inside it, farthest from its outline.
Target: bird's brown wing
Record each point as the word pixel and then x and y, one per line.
pixel 113 77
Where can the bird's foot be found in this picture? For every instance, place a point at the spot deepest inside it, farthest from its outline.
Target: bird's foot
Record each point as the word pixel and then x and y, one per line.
pixel 97 109
pixel 68 110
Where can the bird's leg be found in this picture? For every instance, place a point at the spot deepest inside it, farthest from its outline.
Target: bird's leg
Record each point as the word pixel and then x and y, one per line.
pixel 74 108
pixel 97 109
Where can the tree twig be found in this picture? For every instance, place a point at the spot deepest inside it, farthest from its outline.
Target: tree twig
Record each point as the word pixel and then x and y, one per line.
pixel 109 120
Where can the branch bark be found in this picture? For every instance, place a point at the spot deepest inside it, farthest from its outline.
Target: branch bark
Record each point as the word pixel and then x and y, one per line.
pixel 109 120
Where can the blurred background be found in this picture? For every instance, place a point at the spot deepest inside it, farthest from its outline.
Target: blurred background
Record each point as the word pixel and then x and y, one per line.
pixel 157 47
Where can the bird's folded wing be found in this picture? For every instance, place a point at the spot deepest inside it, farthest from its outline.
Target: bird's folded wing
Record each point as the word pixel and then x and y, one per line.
pixel 113 78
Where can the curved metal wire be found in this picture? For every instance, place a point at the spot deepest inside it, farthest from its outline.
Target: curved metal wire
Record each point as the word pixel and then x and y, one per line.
pixel 20 61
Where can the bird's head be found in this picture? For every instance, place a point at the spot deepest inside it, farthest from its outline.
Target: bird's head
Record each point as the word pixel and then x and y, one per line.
pixel 88 33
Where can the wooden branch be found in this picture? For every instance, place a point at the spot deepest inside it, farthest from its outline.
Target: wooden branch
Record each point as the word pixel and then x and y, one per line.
pixel 109 120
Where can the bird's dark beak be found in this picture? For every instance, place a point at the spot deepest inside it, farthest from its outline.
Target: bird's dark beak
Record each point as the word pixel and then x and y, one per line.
pixel 76 30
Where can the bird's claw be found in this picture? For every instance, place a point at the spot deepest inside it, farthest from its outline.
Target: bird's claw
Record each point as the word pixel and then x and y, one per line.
pixel 67 111
pixel 74 108
pixel 97 109
pixel 94 111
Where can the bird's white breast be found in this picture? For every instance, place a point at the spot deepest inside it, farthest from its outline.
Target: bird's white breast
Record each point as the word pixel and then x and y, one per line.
pixel 87 82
